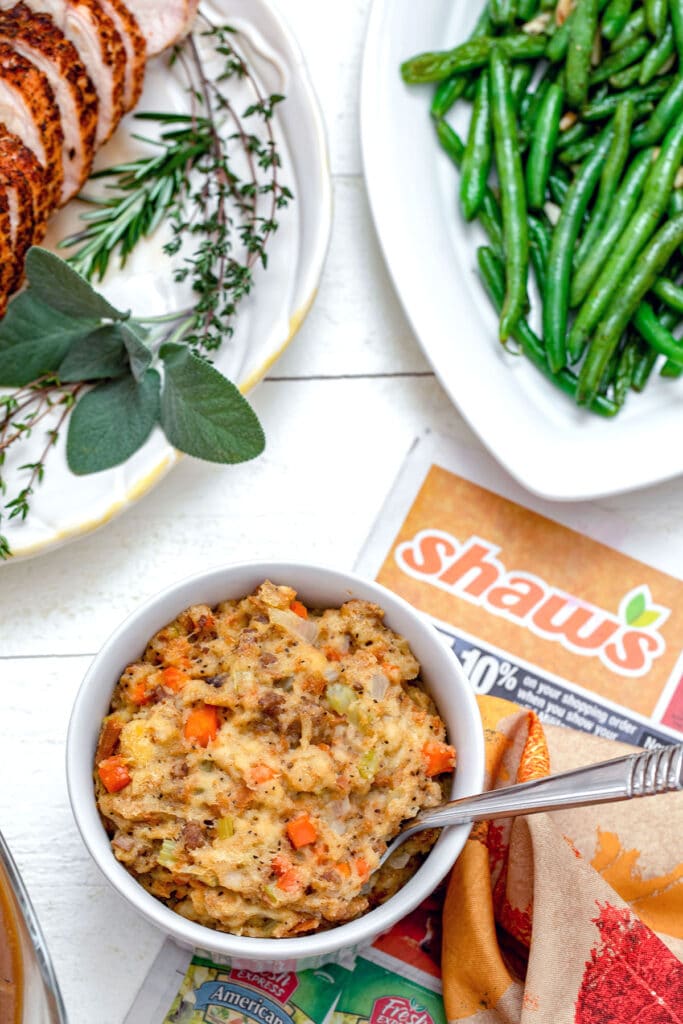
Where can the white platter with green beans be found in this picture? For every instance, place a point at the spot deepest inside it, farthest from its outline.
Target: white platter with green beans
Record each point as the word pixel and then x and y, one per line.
pixel 524 174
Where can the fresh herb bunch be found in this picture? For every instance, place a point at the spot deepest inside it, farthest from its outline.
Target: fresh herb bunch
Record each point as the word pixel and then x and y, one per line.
pixel 59 335
pixel 218 188
pixel 69 356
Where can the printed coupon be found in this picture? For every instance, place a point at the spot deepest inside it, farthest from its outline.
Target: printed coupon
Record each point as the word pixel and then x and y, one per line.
pixel 537 611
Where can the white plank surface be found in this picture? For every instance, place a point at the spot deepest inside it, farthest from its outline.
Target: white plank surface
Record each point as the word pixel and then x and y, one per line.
pixel 340 410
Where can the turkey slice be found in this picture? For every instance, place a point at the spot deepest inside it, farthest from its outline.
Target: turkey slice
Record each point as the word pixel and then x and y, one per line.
pixel 135 46
pixel 100 47
pixel 36 37
pixel 28 108
pixel 23 180
pixel 163 22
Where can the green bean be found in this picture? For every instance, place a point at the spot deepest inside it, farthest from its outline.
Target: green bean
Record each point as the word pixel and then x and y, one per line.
pixel 520 77
pixel 476 162
pixel 446 94
pixel 565 233
pixel 626 78
pixel 669 292
pixel 576 153
pixel 654 61
pixel 558 189
pixel 623 378
pixel 647 358
pixel 620 60
pixel 664 114
pixel 635 26
pixel 599 109
pixel 631 289
pixel 576 133
pixel 542 147
pixel 501 12
pixel 656 334
pixel 491 270
pixel 527 9
pixel 451 89
pixel 676 15
pixel 624 206
pixel 584 23
pixel 539 249
pixel 615 17
pixel 489 213
pixel 513 200
pixel 676 202
pixel 637 232
pixel 433 67
pixel 529 111
pixel 656 12
pixel 556 50
pixel 609 179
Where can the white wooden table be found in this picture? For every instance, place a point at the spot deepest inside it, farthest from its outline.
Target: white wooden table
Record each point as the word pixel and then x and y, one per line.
pixel 340 411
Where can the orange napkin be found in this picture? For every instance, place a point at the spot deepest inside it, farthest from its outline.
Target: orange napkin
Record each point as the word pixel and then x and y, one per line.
pixel 574 916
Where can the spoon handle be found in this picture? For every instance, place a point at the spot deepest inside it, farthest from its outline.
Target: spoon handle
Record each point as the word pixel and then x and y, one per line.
pixel 644 774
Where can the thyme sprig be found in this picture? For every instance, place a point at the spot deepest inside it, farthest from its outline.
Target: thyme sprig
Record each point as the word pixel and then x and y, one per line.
pixel 216 181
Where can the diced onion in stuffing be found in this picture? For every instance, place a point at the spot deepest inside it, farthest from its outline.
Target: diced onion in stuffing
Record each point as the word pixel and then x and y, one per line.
pixel 378 685
pixel 305 629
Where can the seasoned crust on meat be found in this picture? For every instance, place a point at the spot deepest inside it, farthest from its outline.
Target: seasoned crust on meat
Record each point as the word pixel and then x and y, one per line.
pixel 28 108
pixel 100 47
pixel 6 248
pixel 36 37
pixel 135 46
pixel 21 175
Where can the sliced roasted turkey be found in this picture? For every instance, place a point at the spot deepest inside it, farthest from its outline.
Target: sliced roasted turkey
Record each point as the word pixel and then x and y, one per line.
pixel 135 46
pixel 163 22
pixel 28 108
pixel 100 47
pixel 36 37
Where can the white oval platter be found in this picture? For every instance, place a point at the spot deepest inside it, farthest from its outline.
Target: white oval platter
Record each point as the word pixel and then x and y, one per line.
pixel 65 506
pixel 550 446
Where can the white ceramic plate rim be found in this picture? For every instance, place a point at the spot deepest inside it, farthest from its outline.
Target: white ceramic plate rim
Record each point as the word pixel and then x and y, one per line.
pixel 303 296
pixel 552 448
pixel 93 699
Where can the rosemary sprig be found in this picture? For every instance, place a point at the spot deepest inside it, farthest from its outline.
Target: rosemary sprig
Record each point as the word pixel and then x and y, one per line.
pixel 218 188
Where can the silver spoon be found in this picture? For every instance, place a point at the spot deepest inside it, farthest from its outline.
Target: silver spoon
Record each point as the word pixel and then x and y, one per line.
pixel 653 771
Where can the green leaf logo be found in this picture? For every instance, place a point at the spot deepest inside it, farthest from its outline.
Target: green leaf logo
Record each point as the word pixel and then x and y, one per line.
pixel 635 608
pixel 640 611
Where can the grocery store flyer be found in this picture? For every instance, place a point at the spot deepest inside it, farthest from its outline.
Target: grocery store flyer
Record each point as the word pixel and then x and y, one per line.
pixel 547 605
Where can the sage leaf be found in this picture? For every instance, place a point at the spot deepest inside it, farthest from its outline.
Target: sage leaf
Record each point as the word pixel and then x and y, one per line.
pixel 111 422
pixel 139 353
pixel 203 413
pixel 34 339
pixel 98 355
pixel 59 286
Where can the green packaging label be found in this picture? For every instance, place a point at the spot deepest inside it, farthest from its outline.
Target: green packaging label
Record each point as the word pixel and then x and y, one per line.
pixel 211 994
pixel 376 995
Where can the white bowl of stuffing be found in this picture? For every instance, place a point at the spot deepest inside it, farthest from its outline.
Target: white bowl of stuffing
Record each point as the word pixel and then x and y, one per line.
pixel 245 745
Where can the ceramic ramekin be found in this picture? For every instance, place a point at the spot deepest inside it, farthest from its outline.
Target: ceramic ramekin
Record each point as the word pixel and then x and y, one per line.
pixel 317 587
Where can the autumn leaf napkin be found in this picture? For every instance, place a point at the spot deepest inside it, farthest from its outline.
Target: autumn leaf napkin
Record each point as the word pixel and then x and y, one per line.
pixel 574 916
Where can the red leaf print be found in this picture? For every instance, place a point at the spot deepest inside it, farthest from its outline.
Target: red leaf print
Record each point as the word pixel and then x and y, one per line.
pixel 631 975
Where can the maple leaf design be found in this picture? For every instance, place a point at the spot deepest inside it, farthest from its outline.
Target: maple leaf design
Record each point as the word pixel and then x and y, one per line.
pixel 630 976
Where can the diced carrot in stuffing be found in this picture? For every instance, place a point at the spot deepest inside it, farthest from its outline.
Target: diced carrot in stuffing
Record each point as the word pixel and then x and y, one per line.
pixel 173 679
pixel 281 864
pixel 261 773
pixel 305 926
pixel 361 866
pixel 332 654
pixel 301 831
pixel 113 773
pixel 299 609
pixel 344 869
pixel 202 724
pixel 139 694
pixel 290 881
pixel 439 757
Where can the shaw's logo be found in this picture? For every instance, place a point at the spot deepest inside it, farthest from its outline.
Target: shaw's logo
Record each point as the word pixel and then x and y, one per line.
pixel 399 1010
pixel 626 643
